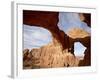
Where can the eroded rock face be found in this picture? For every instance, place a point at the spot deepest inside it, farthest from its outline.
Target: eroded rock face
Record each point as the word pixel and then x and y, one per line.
pixel 50 56
pixel 27 59
pixel 77 33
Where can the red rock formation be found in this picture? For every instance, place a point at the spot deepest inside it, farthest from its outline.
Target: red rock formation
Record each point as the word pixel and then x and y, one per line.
pixel 59 53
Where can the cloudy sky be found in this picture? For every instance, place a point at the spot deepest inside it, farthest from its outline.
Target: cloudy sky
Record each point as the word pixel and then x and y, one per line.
pixel 35 37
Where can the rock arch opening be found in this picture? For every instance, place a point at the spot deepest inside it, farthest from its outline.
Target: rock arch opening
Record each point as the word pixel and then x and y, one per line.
pixel 79 50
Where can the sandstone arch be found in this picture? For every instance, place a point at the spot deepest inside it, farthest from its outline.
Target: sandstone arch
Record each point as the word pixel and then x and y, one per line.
pixel 49 21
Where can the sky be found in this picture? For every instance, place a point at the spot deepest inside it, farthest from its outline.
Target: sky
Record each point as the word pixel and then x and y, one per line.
pixel 79 49
pixel 69 20
pixel 36 37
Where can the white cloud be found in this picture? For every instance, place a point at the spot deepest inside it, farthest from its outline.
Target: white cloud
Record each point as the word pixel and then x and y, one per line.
pixel 35 37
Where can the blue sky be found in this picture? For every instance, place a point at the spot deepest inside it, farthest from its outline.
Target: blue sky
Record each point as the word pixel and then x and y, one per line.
pixel 79 49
